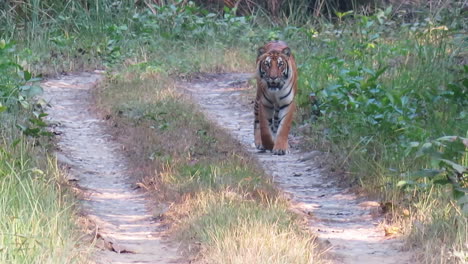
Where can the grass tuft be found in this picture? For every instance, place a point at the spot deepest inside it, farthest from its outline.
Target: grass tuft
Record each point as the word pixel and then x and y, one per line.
pixel 37 211
pixel 233 229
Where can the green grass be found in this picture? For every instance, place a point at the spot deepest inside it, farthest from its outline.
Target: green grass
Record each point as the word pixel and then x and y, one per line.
pixel 38 217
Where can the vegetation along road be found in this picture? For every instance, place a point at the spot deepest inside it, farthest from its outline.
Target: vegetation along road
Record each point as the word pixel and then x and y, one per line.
pixel 126 133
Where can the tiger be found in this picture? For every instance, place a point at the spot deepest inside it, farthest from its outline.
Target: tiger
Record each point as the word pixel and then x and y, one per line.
pixel 274 103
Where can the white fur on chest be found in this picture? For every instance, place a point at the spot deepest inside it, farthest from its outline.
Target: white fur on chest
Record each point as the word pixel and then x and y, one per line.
pixel 281 96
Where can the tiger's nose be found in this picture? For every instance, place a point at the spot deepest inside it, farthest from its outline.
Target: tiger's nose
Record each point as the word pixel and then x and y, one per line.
pixel 275 81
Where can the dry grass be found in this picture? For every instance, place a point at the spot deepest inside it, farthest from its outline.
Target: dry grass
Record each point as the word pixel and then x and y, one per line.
pixel 262 243
pixel 233 229
pixel 442 227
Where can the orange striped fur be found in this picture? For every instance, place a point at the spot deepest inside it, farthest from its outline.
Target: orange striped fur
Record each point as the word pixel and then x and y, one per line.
pixel 274 105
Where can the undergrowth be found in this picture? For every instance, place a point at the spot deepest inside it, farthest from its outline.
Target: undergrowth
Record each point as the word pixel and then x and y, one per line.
pixel 36 208
pixel 393 95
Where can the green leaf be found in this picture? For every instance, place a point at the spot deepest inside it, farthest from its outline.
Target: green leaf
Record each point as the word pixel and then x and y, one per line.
pixel 36 79
pixel 388 10
pixel 459 193
pixel 37 171
pixel 402 183
pixel 426 148
pixel 427 173
pixel 26 75
pixel 463 200
pixel 343 14
pixel 24 103
pixel 21 127
pixel 15 142
pixel 465 209
pixel 46 134
pixel 33 132
pixel 441 182
pixel 38 122
pixel 435 160
pixel 457 167
pixel 450 138
pixel 30 91
pixel 463 190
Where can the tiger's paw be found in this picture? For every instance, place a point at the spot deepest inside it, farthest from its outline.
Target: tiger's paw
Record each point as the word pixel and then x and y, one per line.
pixel 260 148
pixel 279 151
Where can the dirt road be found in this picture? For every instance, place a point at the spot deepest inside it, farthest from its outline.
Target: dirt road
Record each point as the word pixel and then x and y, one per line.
pixel 339 218
pixel 126 227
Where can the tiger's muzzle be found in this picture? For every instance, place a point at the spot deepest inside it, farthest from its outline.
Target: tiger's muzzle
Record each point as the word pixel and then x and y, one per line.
pixel 275 83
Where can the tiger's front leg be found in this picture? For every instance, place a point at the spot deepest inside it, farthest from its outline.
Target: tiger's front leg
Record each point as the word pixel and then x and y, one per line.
pixel 263 134
pixel 257 135
pixel 285 116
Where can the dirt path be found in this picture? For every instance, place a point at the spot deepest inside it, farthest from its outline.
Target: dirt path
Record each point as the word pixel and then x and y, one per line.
pixel 337 215
pixel 127 231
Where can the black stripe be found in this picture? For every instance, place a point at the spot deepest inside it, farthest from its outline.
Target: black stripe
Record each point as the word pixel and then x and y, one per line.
pixel 257 121
pixel 276 114
pixel 279 122
pixel 267 99
pixel 290 90
pixel 260 70
pixel 284 106
pixel 286 72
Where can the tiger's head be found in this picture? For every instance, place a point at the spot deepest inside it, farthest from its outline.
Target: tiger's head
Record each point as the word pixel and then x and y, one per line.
pixel 273 64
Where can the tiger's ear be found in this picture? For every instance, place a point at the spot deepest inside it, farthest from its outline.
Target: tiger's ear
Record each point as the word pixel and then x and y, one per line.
pixel 286 51
pixel 260 51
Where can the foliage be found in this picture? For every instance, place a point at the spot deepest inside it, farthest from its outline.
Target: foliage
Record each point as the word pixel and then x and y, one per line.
pixel 392 98
pixel 363 92
pixel 16 84
pixel 36 213
pixel 19 91
pixel 446 156
pixel 188 22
